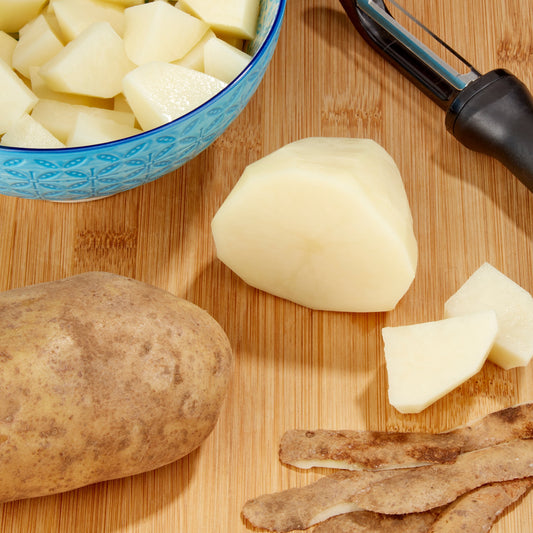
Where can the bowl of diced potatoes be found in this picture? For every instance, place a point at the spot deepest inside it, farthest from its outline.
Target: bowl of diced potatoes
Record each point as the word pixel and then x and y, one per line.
pixel 102 96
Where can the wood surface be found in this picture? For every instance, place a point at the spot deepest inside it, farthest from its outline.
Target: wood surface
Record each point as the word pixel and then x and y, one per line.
pixel 296 368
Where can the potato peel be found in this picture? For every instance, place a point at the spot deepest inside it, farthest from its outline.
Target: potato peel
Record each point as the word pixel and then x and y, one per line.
pixel 477 511
pixel 375 450
pixel 303 507
pixel 420 489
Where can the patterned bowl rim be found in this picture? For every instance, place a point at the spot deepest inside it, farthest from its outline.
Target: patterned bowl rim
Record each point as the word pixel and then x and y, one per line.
pixel 161 129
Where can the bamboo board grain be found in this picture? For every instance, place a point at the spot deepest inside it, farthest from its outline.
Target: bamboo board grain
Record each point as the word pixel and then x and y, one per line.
pixel 296 368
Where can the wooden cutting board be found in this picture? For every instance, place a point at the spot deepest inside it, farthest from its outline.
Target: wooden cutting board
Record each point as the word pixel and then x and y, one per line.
pixel 296 368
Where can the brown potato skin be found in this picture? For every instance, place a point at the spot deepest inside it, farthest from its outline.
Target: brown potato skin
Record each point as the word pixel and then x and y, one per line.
pixel 102 377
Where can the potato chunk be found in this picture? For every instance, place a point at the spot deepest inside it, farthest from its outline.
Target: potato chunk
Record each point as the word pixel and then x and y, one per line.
pixel 26 132
pixel 488 288
pixel 323 222
pixel 92 64
pixel 102 377
pixel 15 13
pixel 159 32
pixel 159 92
pixel 428 360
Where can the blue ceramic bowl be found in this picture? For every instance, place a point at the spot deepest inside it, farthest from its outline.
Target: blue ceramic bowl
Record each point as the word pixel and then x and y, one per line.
pixel 90 172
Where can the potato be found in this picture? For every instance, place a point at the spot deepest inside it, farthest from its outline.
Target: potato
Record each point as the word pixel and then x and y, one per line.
pixel 159 92
pixel 323 222
pixel 15 97
pixel 15 13
pixel 102 377
pixel 488 288
pixel 224 61
pixel 26 132
pixel 428 360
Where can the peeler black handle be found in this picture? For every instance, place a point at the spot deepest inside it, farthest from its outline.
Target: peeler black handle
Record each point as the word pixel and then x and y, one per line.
pixel 494 115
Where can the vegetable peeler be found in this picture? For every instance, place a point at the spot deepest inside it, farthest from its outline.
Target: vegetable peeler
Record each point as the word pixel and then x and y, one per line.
pixel 490 113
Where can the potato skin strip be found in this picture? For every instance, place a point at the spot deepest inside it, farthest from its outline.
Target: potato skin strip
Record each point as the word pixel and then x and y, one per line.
pixel 420 489
pixel 300 508
pixel 375 450
pixel 368 522
pixel 477 511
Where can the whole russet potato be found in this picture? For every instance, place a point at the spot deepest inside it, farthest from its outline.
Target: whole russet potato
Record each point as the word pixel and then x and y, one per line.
pixel 102 377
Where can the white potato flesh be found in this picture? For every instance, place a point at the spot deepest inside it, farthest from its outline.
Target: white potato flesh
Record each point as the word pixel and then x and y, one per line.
pixel 42 91
pixel 127 3
pixel 157 31
pixel 224 61
pixel 60 117
pixel 91 129
pixel 488 288
pixel 15 97
pixel 323 222
pixel 427 361
pixel 159 92
pixel 7 45
pixel 93 64
pixel 16 13
pixel 36 45
pixel 26 132
pixel 235 17
pixel 74 16
pixel 195 57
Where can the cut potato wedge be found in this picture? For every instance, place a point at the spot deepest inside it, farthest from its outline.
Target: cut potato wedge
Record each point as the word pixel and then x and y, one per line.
pixel 323 222
pixel 93 64
pixel 488 288
pixel 157 31
pixel 7 46
pixel 36 45
pixel 74 16
pixel 426 361
pixel 224 61
pixel 26 132
pixel 159 92
pixel 91 129
pixel 16 13
pixel 60 117
pixel 236 17
pixel 15 97
pixel 194 59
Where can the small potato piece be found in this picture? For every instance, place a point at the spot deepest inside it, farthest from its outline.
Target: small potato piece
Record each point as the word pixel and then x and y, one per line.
pixel 488 288
pixel 93 64
pixel 323 222
pixel 224 61
pixel 15 98
pixel 26 132
pixel 91 129
pixel 159 32
pixel 102 377
pixel 235 17
pixel 427 361
pixel 16 13
pixel 7 45
pixel 159 92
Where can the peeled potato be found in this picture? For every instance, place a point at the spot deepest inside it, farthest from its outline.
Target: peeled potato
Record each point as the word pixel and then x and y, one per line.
pixel 323 222
pixel 102 377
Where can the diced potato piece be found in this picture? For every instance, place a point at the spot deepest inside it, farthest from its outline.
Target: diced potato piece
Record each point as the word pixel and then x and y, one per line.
pixel 427 361
pixel 15 97
pixel 323 222
pixel 36 45
pixel 223 61
pixel 7 45
pixel 127 3
pixel 160 92
pixel 93 64
pixel 26 132
pixel 159 32
pixel 41 90
pixel 16 13
pixel 91 129
pixel 59 117
pixel 74 16
pixel 235 17
pixel 195 57
pixel 488 288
